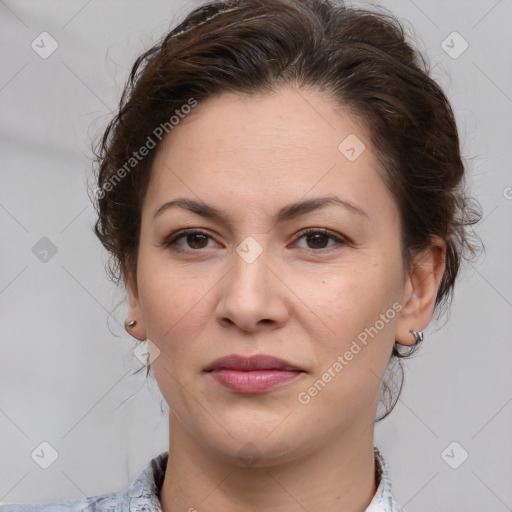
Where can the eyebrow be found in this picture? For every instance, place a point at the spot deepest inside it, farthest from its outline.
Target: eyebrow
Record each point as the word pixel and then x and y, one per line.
pixel 288 212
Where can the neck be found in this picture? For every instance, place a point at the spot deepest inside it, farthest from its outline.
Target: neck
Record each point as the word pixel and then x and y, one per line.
pixel 338 476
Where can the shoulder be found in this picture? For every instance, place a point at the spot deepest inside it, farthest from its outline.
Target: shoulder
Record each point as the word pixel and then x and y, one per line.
pixel 105 502
pixel 141 495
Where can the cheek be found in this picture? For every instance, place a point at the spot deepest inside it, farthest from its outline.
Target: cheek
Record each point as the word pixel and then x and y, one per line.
pixel 356 306
pixel 173 309
pixel 170 296
pixel 174 306
pixel 348 299
pixel 356 309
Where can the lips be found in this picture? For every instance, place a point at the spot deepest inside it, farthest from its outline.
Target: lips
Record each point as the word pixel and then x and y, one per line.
pixel 252 375
pixel 251 363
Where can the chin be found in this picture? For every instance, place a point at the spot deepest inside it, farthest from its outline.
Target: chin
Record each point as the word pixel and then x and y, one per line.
pixel 259 445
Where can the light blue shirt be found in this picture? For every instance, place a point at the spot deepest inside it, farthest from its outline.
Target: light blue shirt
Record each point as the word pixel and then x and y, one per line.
pixel 142 495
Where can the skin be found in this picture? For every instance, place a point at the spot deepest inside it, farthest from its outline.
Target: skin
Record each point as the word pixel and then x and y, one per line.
pixel 302 299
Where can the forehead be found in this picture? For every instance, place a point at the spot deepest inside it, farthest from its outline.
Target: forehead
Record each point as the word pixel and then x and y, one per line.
pixel 275 147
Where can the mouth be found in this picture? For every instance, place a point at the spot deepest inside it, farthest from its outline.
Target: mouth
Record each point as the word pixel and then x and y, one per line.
pixel 251 363
pixel 254 374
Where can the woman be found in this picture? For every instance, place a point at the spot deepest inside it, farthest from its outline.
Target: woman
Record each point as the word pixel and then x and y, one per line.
pixel 283 196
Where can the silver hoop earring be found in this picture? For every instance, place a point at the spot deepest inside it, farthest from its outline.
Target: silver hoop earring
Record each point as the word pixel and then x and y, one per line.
pixel 131 324
pixel 418 335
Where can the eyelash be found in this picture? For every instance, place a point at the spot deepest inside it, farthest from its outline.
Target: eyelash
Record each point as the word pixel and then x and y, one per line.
pixel 173 238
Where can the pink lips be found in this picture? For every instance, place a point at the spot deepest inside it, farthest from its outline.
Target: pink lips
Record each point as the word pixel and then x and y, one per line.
pixel 254 374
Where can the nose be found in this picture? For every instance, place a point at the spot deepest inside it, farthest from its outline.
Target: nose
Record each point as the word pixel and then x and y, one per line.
pixel 253 297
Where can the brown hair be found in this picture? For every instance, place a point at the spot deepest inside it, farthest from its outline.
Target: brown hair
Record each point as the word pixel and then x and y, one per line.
pixel 360 58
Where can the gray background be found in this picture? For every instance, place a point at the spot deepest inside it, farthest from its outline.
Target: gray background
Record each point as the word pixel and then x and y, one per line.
pixel 66 362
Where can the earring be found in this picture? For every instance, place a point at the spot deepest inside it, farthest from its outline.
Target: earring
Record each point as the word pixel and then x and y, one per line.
pixel 418 335
pixel 131 324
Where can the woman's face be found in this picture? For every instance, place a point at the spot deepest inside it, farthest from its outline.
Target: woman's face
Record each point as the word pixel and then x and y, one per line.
pixel 327 302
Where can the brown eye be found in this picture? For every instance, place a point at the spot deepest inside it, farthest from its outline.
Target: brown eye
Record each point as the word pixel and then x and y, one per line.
pixel 317 239
pixel 195 240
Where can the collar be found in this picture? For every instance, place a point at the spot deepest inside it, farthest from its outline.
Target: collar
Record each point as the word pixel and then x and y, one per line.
pixel 144 492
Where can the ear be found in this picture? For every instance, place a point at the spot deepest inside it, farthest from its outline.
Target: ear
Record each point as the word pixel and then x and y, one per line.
pixel 134 311
pixel 420 291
